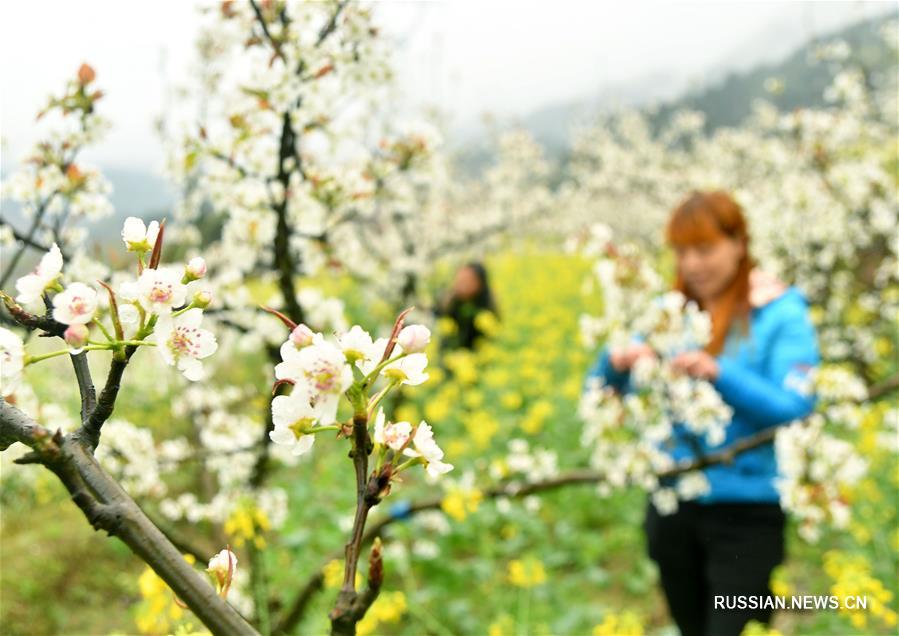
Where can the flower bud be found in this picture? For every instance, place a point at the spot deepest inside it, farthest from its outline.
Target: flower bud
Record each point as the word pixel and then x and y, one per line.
pixel 195 270
pixel 86 74
pixel 202 299
pixel 137 236
pixel 376 565
pixel 301 336
pixel 76 336
pixel 414 338
pixel 222 568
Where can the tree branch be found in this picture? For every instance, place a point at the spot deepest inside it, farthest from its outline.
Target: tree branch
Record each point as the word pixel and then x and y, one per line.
pixel 883 388
pixel 85 384
pixel 349 609
pixel 27 240
pixel 90 428
pixel 108 507
pixel 331 24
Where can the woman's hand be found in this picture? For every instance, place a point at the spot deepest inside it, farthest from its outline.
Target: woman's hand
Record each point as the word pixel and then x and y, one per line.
pixel 624 359
pixel 697 364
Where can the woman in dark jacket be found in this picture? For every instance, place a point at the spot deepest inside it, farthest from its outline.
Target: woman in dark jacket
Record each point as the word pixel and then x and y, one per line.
pixel 469 296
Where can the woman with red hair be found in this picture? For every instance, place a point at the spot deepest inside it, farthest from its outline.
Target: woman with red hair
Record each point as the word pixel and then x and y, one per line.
pixel 716 554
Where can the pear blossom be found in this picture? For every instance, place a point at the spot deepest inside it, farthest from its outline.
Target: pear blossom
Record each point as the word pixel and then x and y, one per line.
pixel 414 338
pixel 202 299
pixel 12 360
pixel 137 236
pixel 76 305
pixel 408 369
pixel 293 416
pixel 815 468
pixel 301 336
pixel 196 268
pixel 223 563
pixel 159 290
pixel 665 501
pixel 426 447
pixel 357 345
pixel 692 485
pixel 321 368
pixel 222 568
pixel 76 336
pixel 129 316
pixel 32 286
pixel 394 435
pixel 182 342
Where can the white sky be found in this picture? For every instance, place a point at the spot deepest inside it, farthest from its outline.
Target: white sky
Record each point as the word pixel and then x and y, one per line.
pixel 468 57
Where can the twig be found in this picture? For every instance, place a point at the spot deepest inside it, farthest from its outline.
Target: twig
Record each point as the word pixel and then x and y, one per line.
pixel 883 388
pixel 331 24
pixel 29 237
pixel 90 428
pixel 350 608
pixel 24 238
pixel 85 384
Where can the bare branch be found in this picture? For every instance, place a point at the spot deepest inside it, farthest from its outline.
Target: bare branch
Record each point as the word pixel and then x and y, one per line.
pixel 85 384
pixel 328 29
pixel 108 507
pixel 27 240
pixel 90 428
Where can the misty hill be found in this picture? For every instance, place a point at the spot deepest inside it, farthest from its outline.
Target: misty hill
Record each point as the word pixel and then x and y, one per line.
pixel 725 95
pixel 803 77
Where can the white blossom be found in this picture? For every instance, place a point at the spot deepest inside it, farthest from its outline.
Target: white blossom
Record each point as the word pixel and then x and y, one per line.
pixel 294 416
pixel 394 435
pixel 408 369
pixel 159 290
pixel 665 501
pixel 182 342
pixel 414 338
pixel 426 447
pixel 359 348
pixel 196 268
pixel 321 369
pixel 137 236
pixel 32 286
pixel 75 305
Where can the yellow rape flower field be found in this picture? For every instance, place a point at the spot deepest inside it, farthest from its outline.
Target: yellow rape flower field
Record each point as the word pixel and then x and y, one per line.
pixel 568 561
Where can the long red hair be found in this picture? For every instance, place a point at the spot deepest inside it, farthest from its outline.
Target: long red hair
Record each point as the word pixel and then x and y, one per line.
pixel 706 217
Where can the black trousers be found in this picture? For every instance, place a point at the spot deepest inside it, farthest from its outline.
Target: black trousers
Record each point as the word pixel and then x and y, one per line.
pixel 704 550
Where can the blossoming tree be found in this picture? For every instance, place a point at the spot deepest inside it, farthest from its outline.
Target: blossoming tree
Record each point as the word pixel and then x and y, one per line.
pixel 288 180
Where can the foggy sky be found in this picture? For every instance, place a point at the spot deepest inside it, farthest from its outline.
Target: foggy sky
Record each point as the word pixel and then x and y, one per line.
pixel 468 58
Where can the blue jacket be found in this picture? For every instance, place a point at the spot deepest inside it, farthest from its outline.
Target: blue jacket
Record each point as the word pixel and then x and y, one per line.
pixel 764 377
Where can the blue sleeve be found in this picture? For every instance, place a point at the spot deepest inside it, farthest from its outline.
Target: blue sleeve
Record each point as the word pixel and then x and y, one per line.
pixel 603 368
pixel 783 392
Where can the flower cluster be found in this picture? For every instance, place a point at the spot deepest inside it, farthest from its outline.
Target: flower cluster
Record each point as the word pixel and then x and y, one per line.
pixel 162 308
pixel 817 474
pixel 129 453
pixel 628 432
pixel 53 185
pixel 321 372
pixel 852 577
